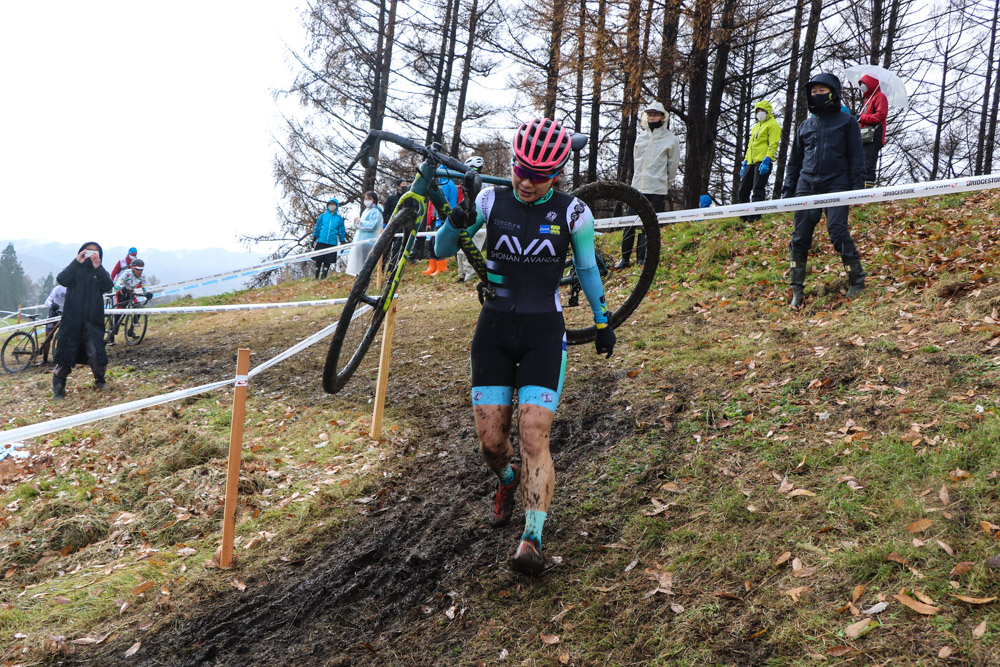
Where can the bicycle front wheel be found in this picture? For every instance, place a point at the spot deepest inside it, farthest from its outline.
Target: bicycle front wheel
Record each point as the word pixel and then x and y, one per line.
pixel 135 328
pixel 367 303
pixel 624 286
pixel 18 352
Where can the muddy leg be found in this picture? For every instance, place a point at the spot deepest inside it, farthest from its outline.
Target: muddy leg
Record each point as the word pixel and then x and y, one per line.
pixel 493 428
pixel 534 426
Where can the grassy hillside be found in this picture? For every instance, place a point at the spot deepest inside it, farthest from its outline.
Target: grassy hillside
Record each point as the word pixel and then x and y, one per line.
pixel 738 485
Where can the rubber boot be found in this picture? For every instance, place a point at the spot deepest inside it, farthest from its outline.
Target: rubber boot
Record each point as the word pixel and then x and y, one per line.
pixel 797 279
pixel 58 388
pixel 624 262
pixel 855 278
pixel 442 267
pixel 431 268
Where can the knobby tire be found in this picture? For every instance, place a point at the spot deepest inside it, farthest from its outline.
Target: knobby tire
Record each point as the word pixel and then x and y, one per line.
pixel 18 352
pixel 353 337
pixel 135 328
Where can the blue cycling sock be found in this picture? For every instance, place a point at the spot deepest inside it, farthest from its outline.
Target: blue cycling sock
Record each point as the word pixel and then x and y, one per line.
pixel 533 522
pixel 506 476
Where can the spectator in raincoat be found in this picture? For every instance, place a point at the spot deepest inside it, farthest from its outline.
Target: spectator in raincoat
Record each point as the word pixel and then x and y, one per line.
pixel 656 156
pixel 80 338
pixel 369 228
pixel 874 112
pixel 329 231
pixel 826 156
pixel 758 161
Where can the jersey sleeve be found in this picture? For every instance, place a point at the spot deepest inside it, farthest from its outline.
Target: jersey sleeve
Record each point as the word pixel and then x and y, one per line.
pixel 446 239
pixel 581 237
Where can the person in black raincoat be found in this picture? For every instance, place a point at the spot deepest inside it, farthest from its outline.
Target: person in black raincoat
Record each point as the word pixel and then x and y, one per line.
pixel 81 331
pixel 826 156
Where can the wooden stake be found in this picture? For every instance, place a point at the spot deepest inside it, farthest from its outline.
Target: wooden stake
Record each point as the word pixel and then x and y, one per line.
pixel 286 273
pixel 235 457
pixel 18 313
pixel 383 371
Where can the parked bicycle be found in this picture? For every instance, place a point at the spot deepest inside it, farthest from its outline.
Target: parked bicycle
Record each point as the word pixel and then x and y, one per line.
pixel 369 300
pixel 134 326
pixel 23 349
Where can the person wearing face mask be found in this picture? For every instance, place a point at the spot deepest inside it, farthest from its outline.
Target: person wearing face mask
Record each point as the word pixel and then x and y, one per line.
pixel 759 159
pixel 826 156
pixel 369 226
pixel 874 111
pixel 656 156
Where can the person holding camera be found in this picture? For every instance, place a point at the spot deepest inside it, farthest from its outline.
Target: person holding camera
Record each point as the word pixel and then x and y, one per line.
pixel 81 332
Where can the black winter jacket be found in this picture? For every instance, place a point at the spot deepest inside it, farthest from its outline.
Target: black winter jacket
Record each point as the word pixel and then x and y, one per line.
pixel 826 155
pixel 83 313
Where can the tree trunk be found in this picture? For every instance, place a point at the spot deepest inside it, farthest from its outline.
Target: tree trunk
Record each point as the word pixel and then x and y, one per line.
pixel 890 35
pixel 695 165
pixel 876 43
pixel 805 65
pixel 668 51
pixel 984 117
pixel 595 98
pixel 630 93
pixel 581 64
pixel 991 135
pixel 552 70
pixel 449 65
pixel 463 85
pixel 791 93
pixel 717 90
pixel 436 94
pixel 383 67
pixel 935 156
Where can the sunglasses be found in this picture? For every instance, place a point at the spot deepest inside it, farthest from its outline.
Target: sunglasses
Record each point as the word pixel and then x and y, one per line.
pixel 532 176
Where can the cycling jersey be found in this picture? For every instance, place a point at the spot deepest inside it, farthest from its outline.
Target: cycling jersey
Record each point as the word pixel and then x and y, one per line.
pixel 129 282
pixel 526 248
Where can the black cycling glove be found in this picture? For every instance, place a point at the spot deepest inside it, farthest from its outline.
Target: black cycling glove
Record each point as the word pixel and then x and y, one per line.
pixel 605 341
pixel 458 219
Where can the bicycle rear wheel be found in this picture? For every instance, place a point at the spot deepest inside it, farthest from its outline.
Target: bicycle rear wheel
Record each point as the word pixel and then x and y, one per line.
pixel 135 328
pixel 18 351
pixel 367 303
pixel 625 288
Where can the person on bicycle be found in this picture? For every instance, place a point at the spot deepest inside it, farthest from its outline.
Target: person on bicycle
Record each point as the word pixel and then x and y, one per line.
pixel 129 284
pixel 520 341
pixel 123 264
pixel 81 330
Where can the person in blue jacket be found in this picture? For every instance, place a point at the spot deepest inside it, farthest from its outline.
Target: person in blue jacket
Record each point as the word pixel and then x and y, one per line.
pixel 369 228
pixel 439 264
pixel 329 231
pixel 826 156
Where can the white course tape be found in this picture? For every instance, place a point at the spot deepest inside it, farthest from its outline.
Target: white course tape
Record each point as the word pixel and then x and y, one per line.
pixel 846 198
pixel 311 340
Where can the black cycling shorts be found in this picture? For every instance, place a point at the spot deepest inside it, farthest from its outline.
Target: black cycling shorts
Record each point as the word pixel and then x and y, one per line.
pixel 523 351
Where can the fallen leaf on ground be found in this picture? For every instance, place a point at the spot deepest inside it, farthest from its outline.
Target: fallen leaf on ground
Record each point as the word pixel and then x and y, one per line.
pixel 783 558
pixel 993 562
pixel 944 652
pixel 918 607
pixel 186 551
pixel 972 600
pixel 920 525
pixel 979 630
pixel 799 492
pixel 943 495
pixel 859 590
pixel 896 558
pixel 676 608
pixel 239 585
pixel 728 596
pixel 923 598
pixel 142 588
pixel 561 615
pixel 838 651
pixel 962 568
pixel 805 573
pixel 855 630
pixel 133 650
pixel 794 593
pixel 877 609
pixel 672 487
pixel 549 640
pixel 947 548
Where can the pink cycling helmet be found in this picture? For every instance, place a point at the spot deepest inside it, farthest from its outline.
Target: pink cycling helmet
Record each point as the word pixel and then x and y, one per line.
pixel 542 145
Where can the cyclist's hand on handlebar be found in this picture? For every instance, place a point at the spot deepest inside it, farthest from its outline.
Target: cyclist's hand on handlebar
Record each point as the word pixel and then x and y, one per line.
pixel 458 219
pixel 149 297
pixel 605 341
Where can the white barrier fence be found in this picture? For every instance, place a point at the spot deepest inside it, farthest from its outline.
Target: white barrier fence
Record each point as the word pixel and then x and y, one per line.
pixel 72 421
pixel 168 310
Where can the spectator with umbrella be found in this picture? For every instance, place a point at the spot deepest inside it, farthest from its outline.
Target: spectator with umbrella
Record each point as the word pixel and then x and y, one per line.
pixel 880 89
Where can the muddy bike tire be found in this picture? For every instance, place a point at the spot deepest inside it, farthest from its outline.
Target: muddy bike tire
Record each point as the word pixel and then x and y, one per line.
pixel 18 352
pixel 355 334
pixel 135 328
pixel 624 289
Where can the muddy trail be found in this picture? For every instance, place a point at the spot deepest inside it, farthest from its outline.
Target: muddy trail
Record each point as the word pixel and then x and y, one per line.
pixel 356 597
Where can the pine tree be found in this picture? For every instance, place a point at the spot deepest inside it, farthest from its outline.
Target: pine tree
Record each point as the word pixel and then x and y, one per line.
pixel 47 284
pixel 12 292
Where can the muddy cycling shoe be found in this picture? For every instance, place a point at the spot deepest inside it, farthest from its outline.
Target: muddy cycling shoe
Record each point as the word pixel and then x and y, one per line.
pixel 528 559
pixel 503 502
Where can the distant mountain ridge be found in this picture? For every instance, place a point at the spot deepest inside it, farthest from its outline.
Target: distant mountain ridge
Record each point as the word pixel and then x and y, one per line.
pixel 38 258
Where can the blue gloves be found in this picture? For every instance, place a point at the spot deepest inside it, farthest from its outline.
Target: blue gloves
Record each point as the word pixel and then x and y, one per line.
pixel 765 167
pixel 605 341
pixel 743 168
pixel 704 201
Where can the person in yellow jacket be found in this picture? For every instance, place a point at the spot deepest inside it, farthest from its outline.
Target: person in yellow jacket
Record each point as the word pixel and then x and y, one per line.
pixel 759 159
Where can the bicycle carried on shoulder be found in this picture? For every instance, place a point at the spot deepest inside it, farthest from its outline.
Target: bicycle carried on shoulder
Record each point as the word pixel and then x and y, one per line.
pixel 369 301
pixel 22 348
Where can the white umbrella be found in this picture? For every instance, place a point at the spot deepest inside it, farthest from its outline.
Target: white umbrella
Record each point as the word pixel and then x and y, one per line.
pixel 891 85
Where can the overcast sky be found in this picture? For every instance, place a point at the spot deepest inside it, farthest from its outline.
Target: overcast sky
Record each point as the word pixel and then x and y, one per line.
pixel 138 123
